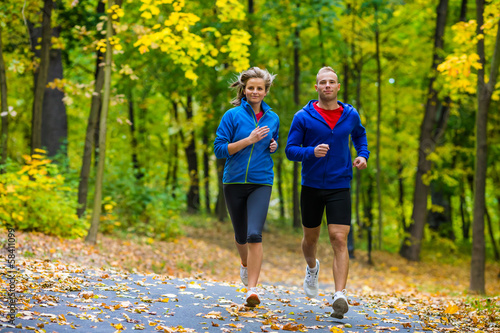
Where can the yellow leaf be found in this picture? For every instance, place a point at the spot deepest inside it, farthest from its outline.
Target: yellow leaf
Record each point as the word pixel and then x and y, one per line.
pixel 451 308
pixel 191 75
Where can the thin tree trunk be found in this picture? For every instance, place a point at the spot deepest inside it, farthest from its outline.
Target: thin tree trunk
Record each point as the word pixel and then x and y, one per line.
pixel 401 189
pixel 179 136
pixel 95 106
pixel 484 93
pixel 206 170
pixel 379 120
pixel 41 77
pixel 96 212
pixel 463 11
pixel 322 45
pixel 492 234
pixel 410 248
pixel 5 107
pixel 135 160
pixel 193 195
pixel 369 217
pixel 464 214
pixel 296 91
pixel 220 207
pixel 251 22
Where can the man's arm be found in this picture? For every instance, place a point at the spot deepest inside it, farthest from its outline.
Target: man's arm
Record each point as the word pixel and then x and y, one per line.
pixel 294 150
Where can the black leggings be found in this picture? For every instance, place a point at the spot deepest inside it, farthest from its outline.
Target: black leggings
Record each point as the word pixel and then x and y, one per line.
pixel 247 205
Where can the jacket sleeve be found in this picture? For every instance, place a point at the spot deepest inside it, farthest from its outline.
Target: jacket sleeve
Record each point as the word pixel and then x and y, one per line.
pixel 294 149
pixel 276 135
pixel 223 136
pixel 358 137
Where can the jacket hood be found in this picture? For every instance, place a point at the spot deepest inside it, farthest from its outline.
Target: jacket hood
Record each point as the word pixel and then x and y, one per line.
pixel 309 108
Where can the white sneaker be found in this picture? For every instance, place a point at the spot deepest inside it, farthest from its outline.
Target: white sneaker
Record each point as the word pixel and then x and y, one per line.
pixel 339 304
pixel 311 282
pixel 244 275
pixel 252 299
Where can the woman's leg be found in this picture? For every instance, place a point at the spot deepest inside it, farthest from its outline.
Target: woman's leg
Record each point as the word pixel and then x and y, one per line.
pixel 257 207
pixel 236 202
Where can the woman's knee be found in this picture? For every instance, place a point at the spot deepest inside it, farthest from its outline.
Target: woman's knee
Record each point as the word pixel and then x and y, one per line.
pixel 254 238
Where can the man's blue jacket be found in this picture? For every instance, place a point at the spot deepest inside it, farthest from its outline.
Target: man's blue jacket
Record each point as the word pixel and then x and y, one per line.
pixel 310 129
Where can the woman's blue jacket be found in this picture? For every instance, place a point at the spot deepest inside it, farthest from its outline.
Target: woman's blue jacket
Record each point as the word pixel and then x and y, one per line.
pixel 253 164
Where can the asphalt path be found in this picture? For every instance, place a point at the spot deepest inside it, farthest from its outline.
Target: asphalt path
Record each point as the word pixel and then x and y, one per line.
pixel 103 301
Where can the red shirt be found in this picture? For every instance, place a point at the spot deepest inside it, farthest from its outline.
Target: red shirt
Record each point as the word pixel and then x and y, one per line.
pixel 259 115
pixel 331 116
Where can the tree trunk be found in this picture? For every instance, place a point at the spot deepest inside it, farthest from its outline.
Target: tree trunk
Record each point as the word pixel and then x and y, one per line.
pixel 4 111
pixel 368 204
pixel 252 48
pixel 55 120
pixel 174 161
pixel 95 106
pixel 135 160
pixel 220 207
pixel 96 212
pixel 492 235
pixel 41 75
pixel 379 120
pixel 400 168
pixel 441 221
pixel 296 91
pixel 279 176
pixel 463 212
pixel 193 195
pixel 410 249
pixel 463 11
pixel 206 170
pixel 484 93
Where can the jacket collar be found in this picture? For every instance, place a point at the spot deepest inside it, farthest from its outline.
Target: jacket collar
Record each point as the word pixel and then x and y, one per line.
pixel 309 108
pixel 248 107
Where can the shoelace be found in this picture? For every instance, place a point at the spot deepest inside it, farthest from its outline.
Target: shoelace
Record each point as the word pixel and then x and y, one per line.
pixel 310 277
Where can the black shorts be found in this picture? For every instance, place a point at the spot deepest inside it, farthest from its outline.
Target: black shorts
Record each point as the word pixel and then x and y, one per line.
pixel 313 202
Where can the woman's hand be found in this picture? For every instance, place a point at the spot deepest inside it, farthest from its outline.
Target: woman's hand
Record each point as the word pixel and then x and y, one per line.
pixel 258 134
pixel 273 146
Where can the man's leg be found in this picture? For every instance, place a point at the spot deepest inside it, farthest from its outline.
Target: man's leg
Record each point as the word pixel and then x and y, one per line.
pixel 338 238
pixel 309 245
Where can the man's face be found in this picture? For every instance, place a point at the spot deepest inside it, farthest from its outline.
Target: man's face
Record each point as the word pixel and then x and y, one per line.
pixel 328 86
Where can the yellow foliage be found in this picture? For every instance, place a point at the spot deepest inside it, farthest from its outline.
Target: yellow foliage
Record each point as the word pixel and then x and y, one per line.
pixel 187 49
pixel 40 201
pixel 230 10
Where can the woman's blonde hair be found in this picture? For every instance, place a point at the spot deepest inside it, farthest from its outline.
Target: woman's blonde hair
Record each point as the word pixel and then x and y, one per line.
pixel 243 77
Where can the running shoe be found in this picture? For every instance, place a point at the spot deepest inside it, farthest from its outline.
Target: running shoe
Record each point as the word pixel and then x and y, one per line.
pixel 311 282
pixel 340 305
pixel 252 298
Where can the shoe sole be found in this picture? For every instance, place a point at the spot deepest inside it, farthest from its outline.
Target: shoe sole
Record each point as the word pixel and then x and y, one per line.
pixel 339 308
pixel 253 300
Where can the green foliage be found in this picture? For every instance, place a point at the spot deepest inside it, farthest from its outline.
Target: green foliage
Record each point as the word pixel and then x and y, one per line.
pixel 143 209
pixel 36 197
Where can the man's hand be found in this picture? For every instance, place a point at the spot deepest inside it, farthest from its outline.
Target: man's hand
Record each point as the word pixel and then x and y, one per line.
pixel 321 150
pixel 360 163
pixel 273 146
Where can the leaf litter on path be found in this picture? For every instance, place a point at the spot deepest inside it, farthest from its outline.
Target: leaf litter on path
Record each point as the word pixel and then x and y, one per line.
pixel 60 272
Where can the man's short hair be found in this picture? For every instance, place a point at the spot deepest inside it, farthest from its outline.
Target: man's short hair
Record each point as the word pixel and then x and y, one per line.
pixel 326 69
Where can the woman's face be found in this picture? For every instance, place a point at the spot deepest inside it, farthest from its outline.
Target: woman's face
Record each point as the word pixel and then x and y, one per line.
pixel 255 91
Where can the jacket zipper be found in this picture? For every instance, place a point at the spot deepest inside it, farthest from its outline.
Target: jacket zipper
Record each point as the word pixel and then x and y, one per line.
pixel 253 145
